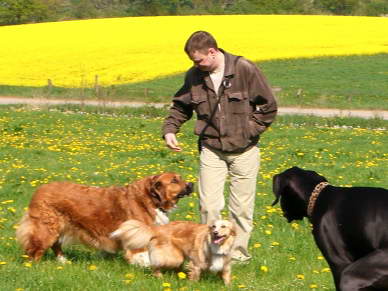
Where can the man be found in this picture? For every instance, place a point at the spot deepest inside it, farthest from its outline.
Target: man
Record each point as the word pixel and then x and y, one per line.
pixel 234 106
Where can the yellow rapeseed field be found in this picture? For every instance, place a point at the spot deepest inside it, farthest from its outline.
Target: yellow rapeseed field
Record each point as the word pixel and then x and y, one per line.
pixel 135 49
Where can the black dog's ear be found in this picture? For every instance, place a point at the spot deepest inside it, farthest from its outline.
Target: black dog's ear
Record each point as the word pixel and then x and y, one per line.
pixel 277 188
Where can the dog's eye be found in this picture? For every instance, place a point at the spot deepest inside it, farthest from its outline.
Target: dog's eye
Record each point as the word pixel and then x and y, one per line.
pixel 213 226
pixel 223 226
pixel 175 180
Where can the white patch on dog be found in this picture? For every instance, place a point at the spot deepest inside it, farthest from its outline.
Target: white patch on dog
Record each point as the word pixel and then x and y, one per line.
pixel 141 259
pixel 161 217
pixel 62 259
pixel 217 263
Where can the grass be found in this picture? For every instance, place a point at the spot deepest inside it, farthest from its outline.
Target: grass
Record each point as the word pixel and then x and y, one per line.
pixel 356 82
pixel 102 147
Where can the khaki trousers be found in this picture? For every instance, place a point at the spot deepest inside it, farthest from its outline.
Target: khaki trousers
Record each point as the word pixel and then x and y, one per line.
pixel 242 169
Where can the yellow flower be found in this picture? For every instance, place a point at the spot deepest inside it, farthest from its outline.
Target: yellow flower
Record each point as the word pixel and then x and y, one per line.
pixel 325 270
pixel 300 276
pixel 182 275
pixel 313 286
pixel 257 245
pixel 92 267
pixel 129 276
pixel 275 243
pixel 27 265
pixel 3 263
pixel 165 284
pixel 241 286
pixel 268 232
pixel 59 268
pixel 320 257
pixel 264 269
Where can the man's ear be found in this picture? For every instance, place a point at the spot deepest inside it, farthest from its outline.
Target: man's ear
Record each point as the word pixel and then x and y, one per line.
pixel 212 51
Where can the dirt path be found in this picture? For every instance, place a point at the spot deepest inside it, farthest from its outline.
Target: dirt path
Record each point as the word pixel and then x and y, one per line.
pixel 323 112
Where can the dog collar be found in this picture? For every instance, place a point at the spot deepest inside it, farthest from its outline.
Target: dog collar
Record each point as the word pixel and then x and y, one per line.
pixel 314 195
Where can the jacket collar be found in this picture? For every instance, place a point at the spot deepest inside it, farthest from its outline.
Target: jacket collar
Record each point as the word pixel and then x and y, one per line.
pixel 230 64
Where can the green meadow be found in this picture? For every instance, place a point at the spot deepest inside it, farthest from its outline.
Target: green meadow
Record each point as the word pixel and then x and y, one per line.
pixel 357 82
pixel 103 147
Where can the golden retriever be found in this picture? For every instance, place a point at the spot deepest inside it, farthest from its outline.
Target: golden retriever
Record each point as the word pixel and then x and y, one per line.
pixel 207 247
pixel 63 212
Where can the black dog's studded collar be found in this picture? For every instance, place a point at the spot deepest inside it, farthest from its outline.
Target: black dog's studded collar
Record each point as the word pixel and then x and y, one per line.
pixel 314 195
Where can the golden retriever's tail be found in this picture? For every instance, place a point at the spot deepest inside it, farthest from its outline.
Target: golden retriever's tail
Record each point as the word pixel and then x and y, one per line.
pixel 133 234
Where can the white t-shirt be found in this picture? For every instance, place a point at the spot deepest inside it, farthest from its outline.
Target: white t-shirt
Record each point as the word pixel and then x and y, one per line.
pixel 217 77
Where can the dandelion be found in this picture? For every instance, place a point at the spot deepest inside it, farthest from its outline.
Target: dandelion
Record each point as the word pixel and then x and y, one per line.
pixel 264 269
pixel 92 268
pixel 59 268
pixel 129 276
pixel 257 245
pixel 182 275
pixel 268 232
pixel 325 270
pixel 275 243
pixel 320 257
pixel 166 285
pixel 313 286
pixel 3 263
pixel 27 264
pixel 300 276
pixel 241 286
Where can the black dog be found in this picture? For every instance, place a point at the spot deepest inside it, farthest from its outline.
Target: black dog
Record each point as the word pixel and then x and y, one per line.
pixel 350 226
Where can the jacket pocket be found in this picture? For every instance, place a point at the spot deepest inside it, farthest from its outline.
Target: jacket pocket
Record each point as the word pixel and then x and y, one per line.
pixel 237 103
pixel 200 105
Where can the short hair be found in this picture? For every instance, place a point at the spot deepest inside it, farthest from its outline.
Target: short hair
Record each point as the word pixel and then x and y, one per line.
pixel 200 41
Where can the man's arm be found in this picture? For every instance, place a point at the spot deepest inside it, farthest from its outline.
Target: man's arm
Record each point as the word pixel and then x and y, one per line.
pixel 180 111
pixel 262 97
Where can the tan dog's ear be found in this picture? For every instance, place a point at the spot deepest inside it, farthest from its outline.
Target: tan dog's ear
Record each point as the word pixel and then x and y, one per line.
pixel 234 229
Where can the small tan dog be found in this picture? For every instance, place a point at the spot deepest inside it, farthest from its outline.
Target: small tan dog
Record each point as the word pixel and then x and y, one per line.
pixel 207 247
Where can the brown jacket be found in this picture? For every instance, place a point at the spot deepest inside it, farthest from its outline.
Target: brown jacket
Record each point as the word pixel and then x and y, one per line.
pixel 246 107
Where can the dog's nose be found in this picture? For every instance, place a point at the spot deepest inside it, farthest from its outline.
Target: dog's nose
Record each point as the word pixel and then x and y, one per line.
pixel 215 232
pixel 190 186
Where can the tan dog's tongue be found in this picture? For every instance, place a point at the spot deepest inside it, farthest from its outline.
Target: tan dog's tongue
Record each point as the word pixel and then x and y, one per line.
pixel 218 240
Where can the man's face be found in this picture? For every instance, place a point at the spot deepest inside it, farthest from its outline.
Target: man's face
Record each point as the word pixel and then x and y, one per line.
pixel 204 61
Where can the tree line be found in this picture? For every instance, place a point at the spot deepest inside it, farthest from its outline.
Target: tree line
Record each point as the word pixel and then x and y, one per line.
pixel 32 11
